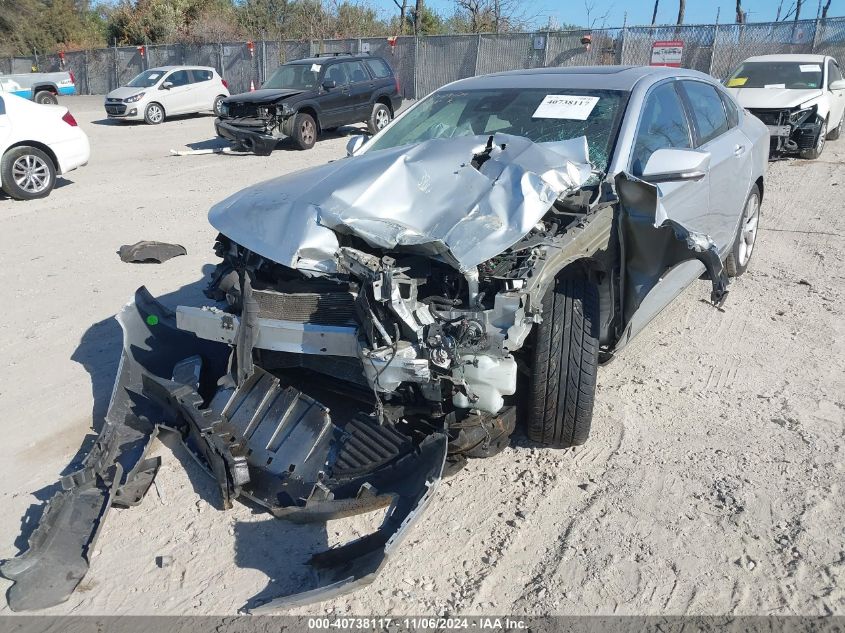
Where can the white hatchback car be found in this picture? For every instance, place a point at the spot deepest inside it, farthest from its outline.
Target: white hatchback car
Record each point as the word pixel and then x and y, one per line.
pixel 37 143
pixel 801 98
pixel 158 93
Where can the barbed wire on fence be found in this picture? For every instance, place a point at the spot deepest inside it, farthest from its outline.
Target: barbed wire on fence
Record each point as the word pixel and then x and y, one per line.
pixel 423 64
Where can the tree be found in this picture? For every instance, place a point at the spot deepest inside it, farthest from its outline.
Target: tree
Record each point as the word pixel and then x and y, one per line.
pixel 654 14
pixel 798 4
pixel 825 9
pixel 418 10
pixel 403 8
pixel 740 14
pixel 682 7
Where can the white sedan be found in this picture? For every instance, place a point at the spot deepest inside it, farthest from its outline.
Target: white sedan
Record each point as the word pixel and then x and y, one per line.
pixel 37 143
pixel 801 98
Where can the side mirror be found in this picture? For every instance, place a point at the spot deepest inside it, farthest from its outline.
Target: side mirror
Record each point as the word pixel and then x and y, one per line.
pixel 167 85
pixel 839 84
pixel 675 165
pixel 328 84
pixel 355 143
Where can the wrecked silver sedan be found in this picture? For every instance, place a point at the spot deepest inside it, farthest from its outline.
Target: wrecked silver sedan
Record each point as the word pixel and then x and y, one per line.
pixel 375 321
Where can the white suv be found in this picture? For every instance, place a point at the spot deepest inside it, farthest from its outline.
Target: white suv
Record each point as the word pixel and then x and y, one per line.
pixel 801 98
pixel 162 92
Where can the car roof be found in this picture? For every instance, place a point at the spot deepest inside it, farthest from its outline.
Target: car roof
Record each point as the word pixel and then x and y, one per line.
pixel 586 77
pixel 328 57
pixel 169 68
pixel 795 57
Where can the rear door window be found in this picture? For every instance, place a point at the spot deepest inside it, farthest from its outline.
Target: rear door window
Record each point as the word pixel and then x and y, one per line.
pixel 708 111
pixel 378 67
pixel 663 124
pixel 356 71
pixel 201 75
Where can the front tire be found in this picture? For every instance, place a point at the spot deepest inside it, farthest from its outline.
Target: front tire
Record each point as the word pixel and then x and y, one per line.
pixel 834 134
pixel 27 173
pixel 813 154
pixel 304 130
pixel 45 97
pixel 564 365
pixel 153 113
pixel 379 118
pixel 737 261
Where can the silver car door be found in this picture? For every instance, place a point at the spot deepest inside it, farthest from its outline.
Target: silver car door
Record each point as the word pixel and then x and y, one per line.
pixel 662 223
pixel 731 159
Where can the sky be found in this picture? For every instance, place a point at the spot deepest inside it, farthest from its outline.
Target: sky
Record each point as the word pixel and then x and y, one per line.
pixel 639 11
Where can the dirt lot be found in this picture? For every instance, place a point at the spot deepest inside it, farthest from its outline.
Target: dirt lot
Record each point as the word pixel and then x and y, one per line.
pixel 712 483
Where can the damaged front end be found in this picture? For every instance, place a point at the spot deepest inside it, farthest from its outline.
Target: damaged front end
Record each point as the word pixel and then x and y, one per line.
pixel 256 124
pixel 791 130
pixel 360 339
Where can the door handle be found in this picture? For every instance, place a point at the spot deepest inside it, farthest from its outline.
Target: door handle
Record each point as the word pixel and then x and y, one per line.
pixel 739 150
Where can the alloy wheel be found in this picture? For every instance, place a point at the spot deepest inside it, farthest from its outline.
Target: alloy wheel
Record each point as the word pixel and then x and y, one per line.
pixel 307 132
pixel 382 118
pixel 31 173
pixel 155 113
pixel 750 222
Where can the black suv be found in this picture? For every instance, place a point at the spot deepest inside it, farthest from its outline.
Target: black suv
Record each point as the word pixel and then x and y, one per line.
pixel 305 97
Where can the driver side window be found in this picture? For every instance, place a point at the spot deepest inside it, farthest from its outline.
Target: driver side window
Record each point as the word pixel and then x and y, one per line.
pixel 833 72
pixel 663 124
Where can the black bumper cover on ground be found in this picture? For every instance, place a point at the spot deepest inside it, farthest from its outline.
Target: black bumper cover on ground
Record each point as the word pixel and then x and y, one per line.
pixel 260 439
pixel 260 143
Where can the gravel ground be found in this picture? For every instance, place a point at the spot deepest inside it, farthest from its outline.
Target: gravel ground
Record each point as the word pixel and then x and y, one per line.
pixel 712 482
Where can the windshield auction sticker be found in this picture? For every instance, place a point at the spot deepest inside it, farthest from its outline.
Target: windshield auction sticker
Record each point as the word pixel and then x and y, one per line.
pixel 810 68
pixel 565 107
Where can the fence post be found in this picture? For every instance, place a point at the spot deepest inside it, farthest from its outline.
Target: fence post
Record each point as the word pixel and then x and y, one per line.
pixel 416 64
pixel 116 73
pixel 477 53
pixel 713 48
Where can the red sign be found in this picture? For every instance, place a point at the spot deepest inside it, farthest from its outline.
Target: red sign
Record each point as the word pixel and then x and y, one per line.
pixel 667 53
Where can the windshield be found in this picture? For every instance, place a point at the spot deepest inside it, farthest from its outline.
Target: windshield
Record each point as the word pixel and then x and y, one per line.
pixel 790 75
pixel 539 114
pixel 294 77
pixel 146 79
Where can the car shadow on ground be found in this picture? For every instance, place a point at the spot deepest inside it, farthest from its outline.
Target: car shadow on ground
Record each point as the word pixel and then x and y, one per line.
pixel 278 548
pixel 174 117
pixel 60 182
pixel 285 144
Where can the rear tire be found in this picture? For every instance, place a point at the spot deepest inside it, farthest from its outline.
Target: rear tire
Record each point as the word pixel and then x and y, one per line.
pixel 154 113
pixel 379 118
pixel 304 130
pixel 737 261
pixel 45 97
pixel 27 173
pixel 216 105
pixel 564 365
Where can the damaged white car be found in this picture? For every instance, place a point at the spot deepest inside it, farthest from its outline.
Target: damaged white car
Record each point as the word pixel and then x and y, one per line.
pixel 377 320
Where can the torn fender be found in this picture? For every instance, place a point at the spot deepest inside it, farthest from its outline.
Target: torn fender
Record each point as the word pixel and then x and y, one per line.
pixel 646 228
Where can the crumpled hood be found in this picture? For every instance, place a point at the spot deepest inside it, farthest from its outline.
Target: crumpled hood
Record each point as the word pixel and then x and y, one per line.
pixel 773 98
pixel 428 198
pixel 265 95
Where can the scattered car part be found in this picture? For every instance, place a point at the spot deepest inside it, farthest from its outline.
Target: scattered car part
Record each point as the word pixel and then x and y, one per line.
pixel 147 252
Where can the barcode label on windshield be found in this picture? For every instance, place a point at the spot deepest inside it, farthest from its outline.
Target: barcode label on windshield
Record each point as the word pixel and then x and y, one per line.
pixel 565 107
pixel 810 68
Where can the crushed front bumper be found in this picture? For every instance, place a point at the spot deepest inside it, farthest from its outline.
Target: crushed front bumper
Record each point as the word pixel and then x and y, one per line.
pixel 259 439
pixel 261 143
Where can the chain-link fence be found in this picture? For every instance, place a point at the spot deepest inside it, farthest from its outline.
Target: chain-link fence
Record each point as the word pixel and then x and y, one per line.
pixel 423 64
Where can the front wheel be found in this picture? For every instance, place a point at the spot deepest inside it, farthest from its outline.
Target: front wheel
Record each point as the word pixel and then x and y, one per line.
pixel 737 261
pixel 154 114
pixel 27 173
pixel 816 151
pixel 304 130
pixel 564 364
pixel 379 118
pixel 835 133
